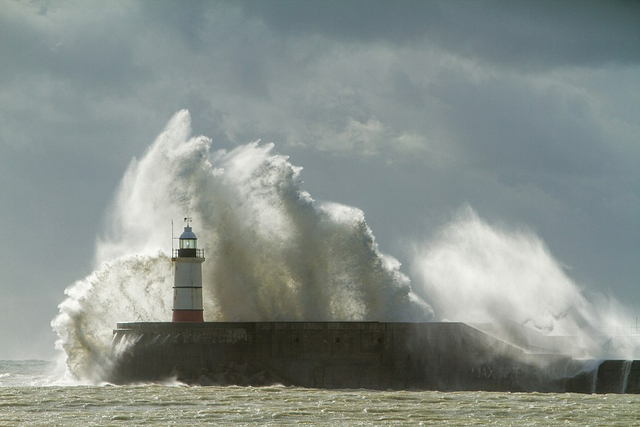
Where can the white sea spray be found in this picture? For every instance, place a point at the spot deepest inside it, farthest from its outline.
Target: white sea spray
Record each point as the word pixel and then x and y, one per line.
pixel 272 252
pixel 475 272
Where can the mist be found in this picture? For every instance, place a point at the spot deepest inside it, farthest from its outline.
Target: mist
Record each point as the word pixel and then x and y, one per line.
pixel 475 272
pixel 273 253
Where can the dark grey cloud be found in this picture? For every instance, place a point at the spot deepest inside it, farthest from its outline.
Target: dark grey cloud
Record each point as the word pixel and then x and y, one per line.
pixel 89 54
pixel 536 34
pixel 524 128
pixel 548 33
pixel 351 20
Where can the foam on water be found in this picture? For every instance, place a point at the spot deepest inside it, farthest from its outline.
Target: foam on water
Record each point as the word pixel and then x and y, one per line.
pixel 132 406
pixel 27 373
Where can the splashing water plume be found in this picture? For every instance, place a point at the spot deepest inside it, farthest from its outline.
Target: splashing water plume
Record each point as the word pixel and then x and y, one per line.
pixel 273 253
pixel 477 273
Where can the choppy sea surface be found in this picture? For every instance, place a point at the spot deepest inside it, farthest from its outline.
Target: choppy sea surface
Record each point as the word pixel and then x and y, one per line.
pixel 31 395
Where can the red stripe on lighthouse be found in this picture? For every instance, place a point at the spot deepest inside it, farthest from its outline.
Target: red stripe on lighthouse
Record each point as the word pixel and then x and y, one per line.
pixel 187 316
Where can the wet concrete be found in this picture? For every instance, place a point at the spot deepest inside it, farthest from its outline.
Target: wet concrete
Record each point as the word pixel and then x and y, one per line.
pixel 373 355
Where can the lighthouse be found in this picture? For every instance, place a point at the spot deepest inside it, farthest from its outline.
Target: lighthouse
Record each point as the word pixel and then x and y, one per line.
pixel 187 278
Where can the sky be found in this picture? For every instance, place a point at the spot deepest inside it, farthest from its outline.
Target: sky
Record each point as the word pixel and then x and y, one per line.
pixel 525 111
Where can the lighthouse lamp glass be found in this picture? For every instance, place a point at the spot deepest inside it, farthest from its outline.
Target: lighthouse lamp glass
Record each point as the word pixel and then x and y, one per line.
pixel 187 243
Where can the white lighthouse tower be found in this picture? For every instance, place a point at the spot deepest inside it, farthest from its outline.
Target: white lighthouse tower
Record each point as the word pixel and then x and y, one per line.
pixel 187 278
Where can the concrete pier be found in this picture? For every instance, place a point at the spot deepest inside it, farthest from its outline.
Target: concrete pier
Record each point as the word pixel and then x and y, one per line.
pixel 373 355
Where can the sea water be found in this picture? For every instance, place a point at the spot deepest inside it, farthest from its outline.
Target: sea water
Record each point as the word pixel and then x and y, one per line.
pixel 30 395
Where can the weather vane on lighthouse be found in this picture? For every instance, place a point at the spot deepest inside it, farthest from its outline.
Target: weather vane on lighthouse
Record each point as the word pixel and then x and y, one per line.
pixel 187 277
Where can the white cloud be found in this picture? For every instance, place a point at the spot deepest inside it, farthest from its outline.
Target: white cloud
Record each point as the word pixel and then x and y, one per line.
pixel 371 138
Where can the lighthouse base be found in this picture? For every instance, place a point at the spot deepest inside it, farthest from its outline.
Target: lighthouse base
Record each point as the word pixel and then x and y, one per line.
pixel 187 316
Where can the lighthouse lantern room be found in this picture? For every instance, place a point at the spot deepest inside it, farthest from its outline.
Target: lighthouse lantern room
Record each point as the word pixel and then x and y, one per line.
pixel 187 278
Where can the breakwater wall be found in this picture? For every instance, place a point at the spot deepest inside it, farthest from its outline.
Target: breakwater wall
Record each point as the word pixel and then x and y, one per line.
pixel 374 355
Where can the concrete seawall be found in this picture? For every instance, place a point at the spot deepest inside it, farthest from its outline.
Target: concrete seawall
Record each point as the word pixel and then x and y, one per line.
pixel 374 355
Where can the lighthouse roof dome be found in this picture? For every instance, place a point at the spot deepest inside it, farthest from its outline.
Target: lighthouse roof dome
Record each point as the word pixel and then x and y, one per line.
pixel 188 234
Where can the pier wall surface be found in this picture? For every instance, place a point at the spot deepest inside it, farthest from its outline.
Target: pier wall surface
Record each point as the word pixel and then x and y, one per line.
pixel 373 355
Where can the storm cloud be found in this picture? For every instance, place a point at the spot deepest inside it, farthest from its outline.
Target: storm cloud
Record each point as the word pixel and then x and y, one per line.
pixel 526 111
